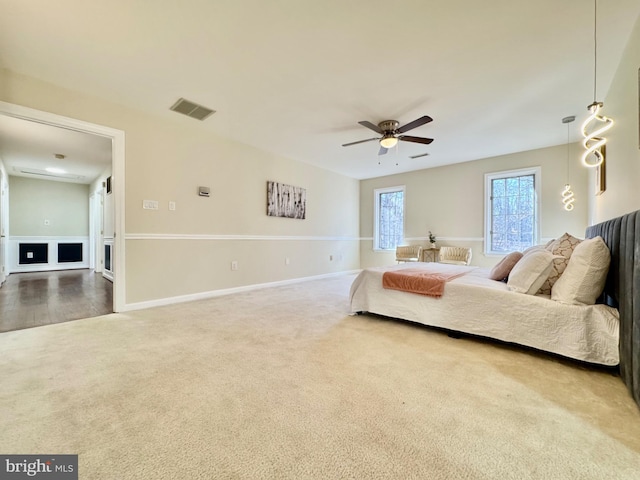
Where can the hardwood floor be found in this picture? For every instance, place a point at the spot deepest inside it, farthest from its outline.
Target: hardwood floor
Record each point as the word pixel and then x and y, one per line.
pixel 41 298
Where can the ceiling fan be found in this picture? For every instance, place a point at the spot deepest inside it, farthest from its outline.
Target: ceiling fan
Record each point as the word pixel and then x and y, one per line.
pixel 391 133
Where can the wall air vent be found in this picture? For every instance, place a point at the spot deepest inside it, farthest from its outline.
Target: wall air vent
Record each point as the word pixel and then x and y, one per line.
pixel 191 109
pixel 44 173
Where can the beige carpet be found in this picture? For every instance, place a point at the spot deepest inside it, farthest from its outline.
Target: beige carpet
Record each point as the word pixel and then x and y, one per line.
pixel 282 383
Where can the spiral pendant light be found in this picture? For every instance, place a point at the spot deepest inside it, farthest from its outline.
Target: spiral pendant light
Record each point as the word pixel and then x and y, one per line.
pixel 567 194
pixel 593 141
pixel 596 124
pixel 567 198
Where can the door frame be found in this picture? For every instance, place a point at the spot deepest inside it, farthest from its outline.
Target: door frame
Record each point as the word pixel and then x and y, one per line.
pixel 95 230
pixel 118 178
pixel 4 226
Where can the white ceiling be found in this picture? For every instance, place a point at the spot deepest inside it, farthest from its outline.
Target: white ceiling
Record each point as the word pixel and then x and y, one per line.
pixel 294 77
pixel 29 148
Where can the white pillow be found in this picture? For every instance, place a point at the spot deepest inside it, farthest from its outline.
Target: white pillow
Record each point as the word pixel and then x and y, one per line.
pixel 528 275
pixel 540 247
pixel 583 280
pixel 533 249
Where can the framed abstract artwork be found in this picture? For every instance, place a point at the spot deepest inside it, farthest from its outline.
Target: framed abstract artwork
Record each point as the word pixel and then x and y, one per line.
pixel 286 200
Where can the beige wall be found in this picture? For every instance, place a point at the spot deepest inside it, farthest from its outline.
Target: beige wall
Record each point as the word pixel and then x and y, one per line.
pixel 623 155
pixel 64 205
pixel 166 160
pixel 449 201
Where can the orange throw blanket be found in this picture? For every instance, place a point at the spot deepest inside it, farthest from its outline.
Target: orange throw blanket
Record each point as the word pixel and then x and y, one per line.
pixel 418 281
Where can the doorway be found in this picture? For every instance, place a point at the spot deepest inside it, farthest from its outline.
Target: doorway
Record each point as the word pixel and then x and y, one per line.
pixel 117 181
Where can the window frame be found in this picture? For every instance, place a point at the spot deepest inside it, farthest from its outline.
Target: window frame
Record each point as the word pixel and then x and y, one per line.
pixel 488 214
pixel 376 214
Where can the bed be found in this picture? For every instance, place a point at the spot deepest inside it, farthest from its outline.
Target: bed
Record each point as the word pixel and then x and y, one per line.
pixel 606 333
pixel 474 304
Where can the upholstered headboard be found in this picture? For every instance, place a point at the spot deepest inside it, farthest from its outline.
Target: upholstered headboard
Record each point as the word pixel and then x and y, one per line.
pixel 622 290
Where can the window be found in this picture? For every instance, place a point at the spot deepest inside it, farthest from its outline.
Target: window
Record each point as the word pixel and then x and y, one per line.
pixel 388 223
pixel 511 210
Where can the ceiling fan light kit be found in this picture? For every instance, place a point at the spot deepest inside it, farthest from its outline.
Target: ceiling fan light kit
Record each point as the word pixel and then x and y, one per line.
pixel 388 141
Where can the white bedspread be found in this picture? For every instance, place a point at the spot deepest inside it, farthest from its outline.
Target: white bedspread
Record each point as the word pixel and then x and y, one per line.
pixel 475 304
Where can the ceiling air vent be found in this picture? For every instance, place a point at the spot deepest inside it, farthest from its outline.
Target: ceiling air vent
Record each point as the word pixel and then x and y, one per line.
pixel 191 109
pixel 44 173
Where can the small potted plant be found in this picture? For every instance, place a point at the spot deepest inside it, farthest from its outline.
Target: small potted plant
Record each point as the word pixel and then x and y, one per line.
pixel 432 239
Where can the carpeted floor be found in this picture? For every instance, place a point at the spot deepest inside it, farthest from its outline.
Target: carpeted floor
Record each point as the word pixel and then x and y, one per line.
pixel 283 383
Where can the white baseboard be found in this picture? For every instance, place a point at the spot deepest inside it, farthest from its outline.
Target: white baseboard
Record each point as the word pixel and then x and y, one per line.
pixel 46 267
pixel 226 291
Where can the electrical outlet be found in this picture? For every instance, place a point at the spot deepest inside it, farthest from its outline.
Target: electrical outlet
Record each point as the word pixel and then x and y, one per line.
pixel 172 206
pixel 287 261
pixel 234 265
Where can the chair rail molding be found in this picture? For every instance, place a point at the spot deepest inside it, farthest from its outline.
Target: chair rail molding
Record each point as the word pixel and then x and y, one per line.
pixel 178 236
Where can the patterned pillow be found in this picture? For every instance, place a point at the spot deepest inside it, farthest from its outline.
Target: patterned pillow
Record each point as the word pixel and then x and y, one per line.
pixel 562 248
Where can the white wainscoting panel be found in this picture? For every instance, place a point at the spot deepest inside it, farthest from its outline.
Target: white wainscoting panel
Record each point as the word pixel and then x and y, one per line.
pixel 52 264
pixel 107 255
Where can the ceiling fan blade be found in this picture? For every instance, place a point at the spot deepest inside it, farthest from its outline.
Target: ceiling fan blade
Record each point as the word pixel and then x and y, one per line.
pixel 418 156
pixel 415 124
pixel 408 138
pixel 382 151
pixel 371 126
pixel 360 141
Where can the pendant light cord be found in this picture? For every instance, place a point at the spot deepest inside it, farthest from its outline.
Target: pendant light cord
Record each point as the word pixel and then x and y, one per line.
pixel 595 47
pixel 568 155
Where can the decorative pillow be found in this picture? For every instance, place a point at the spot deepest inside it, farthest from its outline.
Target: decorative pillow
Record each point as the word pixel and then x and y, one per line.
pixel 584 278
pixel 503 267
pixel 528 275
pixel 531 249
pixel 563 247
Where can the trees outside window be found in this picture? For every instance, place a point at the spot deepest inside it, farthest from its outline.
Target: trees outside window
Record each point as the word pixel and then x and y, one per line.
pixel 511 210
pixel 388 218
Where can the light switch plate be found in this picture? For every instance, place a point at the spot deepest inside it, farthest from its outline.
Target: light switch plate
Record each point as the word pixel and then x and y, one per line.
pixel 150 204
